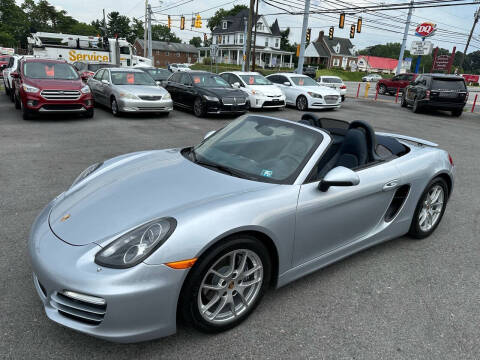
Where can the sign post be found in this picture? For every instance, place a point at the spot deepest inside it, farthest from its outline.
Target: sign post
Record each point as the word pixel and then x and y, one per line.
pixel 423 47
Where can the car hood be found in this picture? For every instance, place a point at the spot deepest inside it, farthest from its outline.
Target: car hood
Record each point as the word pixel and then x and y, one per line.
pixel 223 92
pixel 134 189
pixel 268 90
pixel 141 89
pixel 322 90
pixel 46 84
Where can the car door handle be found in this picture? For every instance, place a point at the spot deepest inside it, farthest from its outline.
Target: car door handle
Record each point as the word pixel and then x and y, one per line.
pixel 390 185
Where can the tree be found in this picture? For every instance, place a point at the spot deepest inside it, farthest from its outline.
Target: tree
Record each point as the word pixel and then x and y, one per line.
pixel 164 33
pixel 137 30
pixel 196 41
pixel 222 13
pixel 118 25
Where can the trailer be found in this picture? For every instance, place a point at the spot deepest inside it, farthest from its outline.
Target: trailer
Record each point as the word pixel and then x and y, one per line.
pixel 85 48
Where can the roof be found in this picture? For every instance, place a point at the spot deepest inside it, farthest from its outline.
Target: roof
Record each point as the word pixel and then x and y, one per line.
pixel 243 72
pixel 290 74
pixel 345 45
pixel 122 69
pixel 35 59
pixel 236 23
pixel 169 46
pixel 377 62
pixel 320 47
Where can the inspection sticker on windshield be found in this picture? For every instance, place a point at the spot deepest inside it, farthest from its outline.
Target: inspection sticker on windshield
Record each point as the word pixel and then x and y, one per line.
pixel 267 173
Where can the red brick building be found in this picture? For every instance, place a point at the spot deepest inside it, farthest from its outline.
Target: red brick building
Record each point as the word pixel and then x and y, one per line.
pixel 165 53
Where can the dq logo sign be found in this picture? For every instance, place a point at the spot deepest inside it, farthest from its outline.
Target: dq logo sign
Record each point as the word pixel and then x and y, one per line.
pixel 425 29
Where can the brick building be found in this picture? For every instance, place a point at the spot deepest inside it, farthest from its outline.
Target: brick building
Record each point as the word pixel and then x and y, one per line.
pixel 165 53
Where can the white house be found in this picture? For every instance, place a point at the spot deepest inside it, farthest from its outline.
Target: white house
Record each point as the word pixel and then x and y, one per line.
pixel 230 37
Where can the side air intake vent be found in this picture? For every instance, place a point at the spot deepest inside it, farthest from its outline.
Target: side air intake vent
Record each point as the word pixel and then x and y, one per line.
pixel 397 202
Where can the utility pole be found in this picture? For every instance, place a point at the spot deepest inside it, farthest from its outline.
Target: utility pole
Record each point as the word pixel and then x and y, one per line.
pixel 145 32
pixel 150 44
pixel 304 34
pixel 405 35
pixel 475 20
pixel 249 34
pixel 255 38
pixel 244 44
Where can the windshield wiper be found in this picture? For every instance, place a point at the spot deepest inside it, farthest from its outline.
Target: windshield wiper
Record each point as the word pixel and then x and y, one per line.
pixel 219 167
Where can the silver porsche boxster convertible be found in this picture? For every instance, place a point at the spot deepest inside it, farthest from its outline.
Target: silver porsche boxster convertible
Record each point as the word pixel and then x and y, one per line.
pixel 144 239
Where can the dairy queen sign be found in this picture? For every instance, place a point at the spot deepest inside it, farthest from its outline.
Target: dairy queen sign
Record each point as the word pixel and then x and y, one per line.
pixel 425 29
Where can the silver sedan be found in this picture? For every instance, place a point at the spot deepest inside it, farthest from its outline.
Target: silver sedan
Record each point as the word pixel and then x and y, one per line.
pixel 129 90
pixel 202 232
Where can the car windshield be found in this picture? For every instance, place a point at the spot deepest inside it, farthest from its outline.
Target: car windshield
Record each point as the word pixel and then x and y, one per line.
pixel 131 78
pixel 48 70
pixel 96 67
pixel 259 148
pixel 209 80
pixel 255 80
pixel 332 80
pixel 448 84
pixel 159 74
pixel 181 65
pixel 303 81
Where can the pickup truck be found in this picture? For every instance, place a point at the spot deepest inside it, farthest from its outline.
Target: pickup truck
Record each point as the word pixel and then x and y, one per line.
pixel 398 82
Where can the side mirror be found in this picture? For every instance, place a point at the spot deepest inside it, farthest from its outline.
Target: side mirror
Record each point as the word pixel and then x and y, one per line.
pixel 236 85
pixel 84 77
pixel 14 75
pixel 210 133
pixel 286 83
pixel 105 82
pixel 339 176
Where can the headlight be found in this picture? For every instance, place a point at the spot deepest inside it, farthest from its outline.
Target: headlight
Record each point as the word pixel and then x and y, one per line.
pixel 135 246
pixel 86 172
pixel 128 96
pixel 315 95
pixel 258 93
pixel 167 96
pixel 85 90
pixel 210 98
pixel 30 89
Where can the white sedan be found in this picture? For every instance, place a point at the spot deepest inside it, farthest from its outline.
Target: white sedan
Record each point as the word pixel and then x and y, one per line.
pixel 262 93
pixel 305 93
pixel 335 83
pixel 371 77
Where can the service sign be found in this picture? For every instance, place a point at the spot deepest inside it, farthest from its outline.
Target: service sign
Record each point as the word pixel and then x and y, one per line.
pixel 425 29
pixel 421 48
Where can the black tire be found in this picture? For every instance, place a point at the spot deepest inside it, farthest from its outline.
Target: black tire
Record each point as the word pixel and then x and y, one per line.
pixel 343 98
pixel 12 94
pixel 26 114
pixel 416 106
pixel 114 107
pixel 457 112
pixel 89 113
pixel 382 89
pixel 198 108
pixel 188 303
pixel 17 102
pixel 302 103
pixel 415 229
pixel 403 101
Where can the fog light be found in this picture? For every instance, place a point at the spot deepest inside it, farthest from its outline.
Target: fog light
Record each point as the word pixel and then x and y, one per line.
pixel 257 101
pixel 89 102
pixel 83 297
pixel 32 103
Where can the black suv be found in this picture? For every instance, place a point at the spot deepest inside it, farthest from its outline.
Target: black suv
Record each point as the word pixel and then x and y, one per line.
pixel 310 71
pixel 436 91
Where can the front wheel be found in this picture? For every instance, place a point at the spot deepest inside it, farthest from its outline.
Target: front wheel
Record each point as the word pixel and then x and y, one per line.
pixel 89 113
pixel 382 89
pixel 457 112
pixel 430 209
pixel 226 284
pixel 114 106
pixel 17 102
pixel 302 103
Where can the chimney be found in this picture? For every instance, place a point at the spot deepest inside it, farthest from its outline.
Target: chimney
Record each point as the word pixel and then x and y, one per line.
pixel 320 35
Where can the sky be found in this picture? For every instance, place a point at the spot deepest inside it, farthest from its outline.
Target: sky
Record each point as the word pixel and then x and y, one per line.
pixel 453 23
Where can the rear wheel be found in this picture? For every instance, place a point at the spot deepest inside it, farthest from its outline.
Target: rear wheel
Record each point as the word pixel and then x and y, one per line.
pixel 198 108
pixel 302 103
pixel 226 284
pixel 430 209
pixel 403 101
pixel 382 89
pixel 416 106
pixel 17 102
pixel 457 112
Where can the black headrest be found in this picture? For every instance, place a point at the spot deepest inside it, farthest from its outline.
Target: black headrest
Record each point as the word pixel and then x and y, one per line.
pixel 311 119
pixel 370 137
pixel 353 152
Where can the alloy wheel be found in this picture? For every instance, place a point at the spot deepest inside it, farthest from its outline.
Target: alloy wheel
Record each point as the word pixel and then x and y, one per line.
pixel 114 107
pixel 431 209
pixel 302 103
pixel 231 286
pixel 382 89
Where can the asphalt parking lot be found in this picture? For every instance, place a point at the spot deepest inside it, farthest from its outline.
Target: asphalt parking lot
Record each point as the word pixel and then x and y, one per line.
pixel 404 299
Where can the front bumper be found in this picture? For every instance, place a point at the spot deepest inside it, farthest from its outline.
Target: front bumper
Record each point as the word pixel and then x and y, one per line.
pixel 35 102
pixel 127 105
pixel 141 301
pixel 316 103
pixel 216 107
pixel 266 102
pixel 447 105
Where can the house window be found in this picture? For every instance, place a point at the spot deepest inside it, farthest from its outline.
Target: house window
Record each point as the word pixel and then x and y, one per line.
pixel 336 62
pixel 352 62
pixel 266 42
pixel 259 26
pixel 277 43
pixel 178 54
pixel 224 38
pixel 218 39
pixel 228 40
pixel 224 25
pixel 167 53
pixel 240 38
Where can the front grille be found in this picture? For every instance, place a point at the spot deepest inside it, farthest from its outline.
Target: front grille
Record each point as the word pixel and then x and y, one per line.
pixel 331 99
pixel 60 94
pixel 78 310
pixel 234 101
pixel 150 98
pixel 273 103
pixel 158 108
pixel 60 107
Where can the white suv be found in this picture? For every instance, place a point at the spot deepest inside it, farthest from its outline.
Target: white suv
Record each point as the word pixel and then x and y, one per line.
pixel 262 93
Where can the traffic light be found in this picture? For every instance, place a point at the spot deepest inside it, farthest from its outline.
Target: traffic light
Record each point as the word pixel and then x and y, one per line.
pixel 330 32
pixel 341 23
pixel 169 22
pixel 308 35
pixel 298 50
pixel 182 23
pixel 352 31
pixel 359 25
pixel 198 21
pixel 205 38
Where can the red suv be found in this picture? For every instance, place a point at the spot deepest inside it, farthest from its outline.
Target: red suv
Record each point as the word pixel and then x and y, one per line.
pixel 397 83
pixel 50 86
